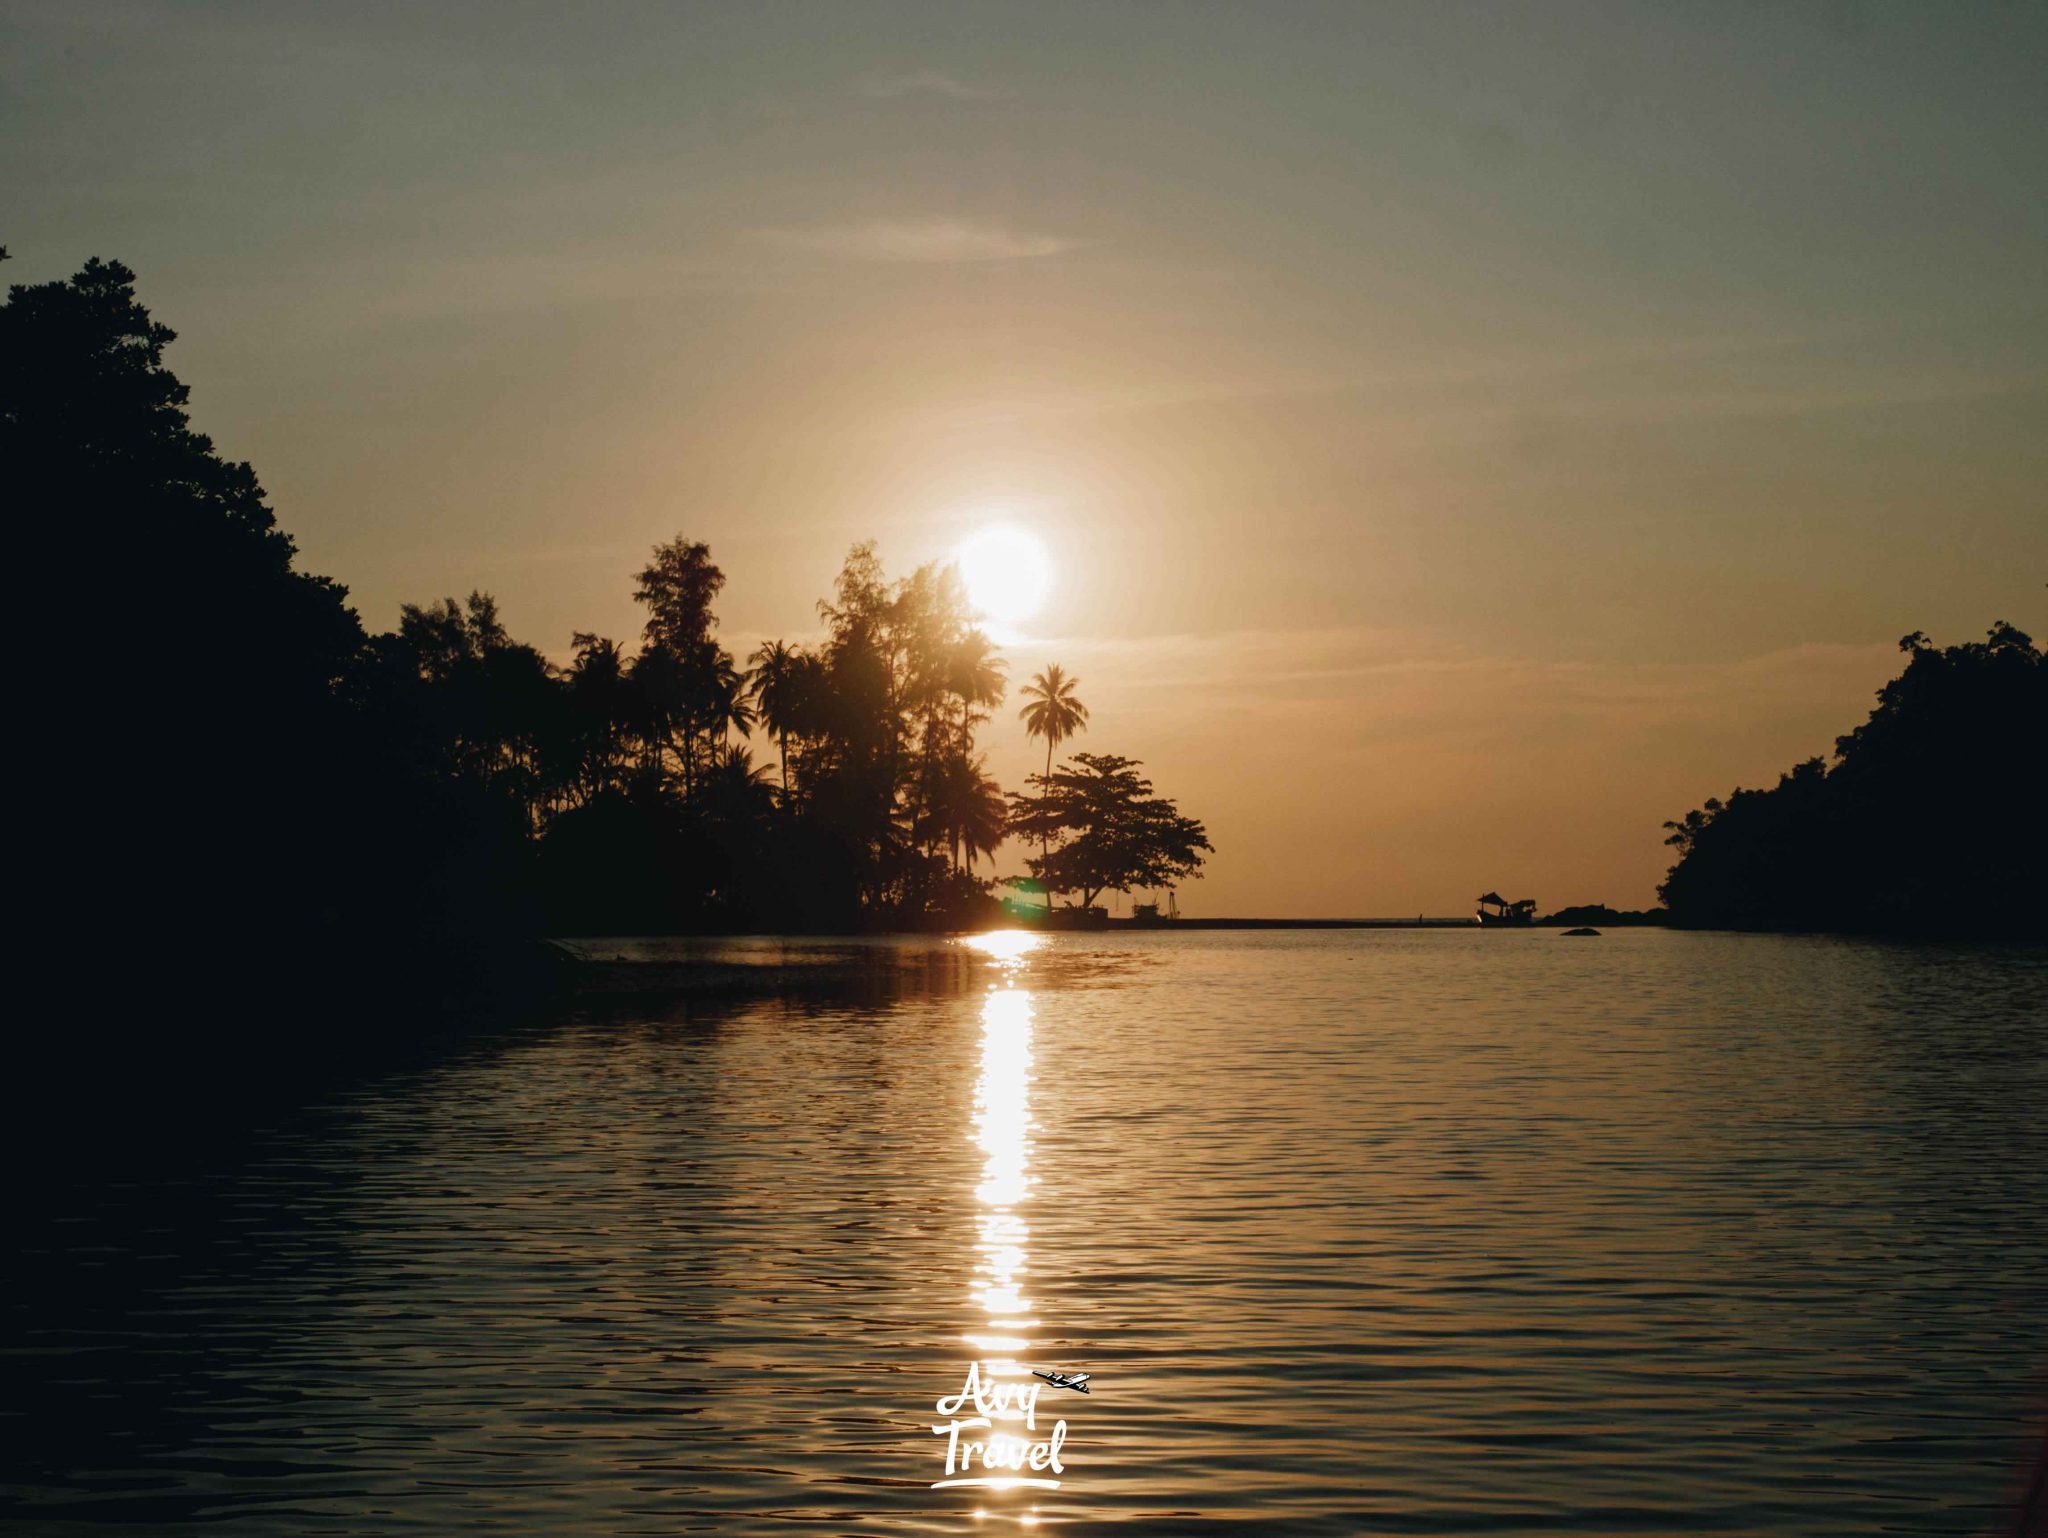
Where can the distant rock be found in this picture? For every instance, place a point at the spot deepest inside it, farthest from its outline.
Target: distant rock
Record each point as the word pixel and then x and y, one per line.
pixel 1581 930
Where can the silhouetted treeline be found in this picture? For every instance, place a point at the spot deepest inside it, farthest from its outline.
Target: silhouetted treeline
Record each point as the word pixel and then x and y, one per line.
pixel 875 813
pixel 1599 914
pixel 1929 821
pixel 252 790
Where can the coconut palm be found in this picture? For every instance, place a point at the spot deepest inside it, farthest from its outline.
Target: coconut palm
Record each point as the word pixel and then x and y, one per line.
pixel 733 766
pixel 773 683
pixel 969 811
pixel 1054 712
pixel 658 702
pixel 718 698
pixel 600 711
pixel 974 673
pixel 734 789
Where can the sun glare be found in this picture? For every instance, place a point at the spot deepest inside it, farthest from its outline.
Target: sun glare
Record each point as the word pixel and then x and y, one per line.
pixel 1007 574
pixel 1007 946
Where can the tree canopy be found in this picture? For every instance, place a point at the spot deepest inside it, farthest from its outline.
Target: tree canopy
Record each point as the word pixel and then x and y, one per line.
pixel 202 678
pixel 1103 830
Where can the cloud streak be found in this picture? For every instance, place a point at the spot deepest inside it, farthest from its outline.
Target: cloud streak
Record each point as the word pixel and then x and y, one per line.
pixel 1412 677
pixel 929 241
pixel 925 82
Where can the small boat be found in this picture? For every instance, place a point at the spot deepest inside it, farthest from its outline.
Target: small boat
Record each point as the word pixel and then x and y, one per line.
pixel 1519 914
pixel 1152 914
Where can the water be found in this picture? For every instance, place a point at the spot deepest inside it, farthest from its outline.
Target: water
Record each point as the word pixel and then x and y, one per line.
pixel 1357 1232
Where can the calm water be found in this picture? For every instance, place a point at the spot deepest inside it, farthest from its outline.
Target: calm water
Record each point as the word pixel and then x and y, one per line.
pixel 1365 1232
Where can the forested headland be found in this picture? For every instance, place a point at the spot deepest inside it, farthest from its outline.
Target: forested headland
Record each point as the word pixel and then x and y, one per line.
pixel 1929 821
pixel 256 784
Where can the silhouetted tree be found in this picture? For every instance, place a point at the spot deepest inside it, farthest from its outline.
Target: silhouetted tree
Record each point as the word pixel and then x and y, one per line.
pixel 490 705
pixel 772 684
pixel 214 792
pixel 969 809
pixel 1055 713
pixel 1106 829
pixel 599 721
pixel 677 586
pixel 890 700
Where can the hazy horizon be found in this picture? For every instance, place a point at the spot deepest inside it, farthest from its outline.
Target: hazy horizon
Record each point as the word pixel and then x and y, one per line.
pixel 1464 438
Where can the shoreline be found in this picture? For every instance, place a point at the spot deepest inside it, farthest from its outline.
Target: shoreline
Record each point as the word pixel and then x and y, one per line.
pixel 1114 925
pixel 1246 923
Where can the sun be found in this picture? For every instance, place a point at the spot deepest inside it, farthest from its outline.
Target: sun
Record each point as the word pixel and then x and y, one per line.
pixel 1007 574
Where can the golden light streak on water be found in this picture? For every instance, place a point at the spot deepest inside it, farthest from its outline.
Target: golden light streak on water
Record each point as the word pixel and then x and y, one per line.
pixel 1001 1128
pixel 1009 946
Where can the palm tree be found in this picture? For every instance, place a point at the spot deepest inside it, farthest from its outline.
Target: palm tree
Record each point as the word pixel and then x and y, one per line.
pixel 732 769
pixel 987 813
pixel 974 673
pixel 600 713
pixel 720 704
pixel 956 680
pixel 658 688
pixel 1054 712
pixel 969 810
pixel 733 790
pixel 772 682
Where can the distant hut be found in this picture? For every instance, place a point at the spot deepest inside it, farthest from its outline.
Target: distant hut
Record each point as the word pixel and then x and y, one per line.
pixel 1495 911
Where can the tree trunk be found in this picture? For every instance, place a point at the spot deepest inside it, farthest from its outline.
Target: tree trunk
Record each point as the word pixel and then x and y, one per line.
pixel 1045 838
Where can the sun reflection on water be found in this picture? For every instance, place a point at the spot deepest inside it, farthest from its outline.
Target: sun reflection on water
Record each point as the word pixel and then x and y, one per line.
pixel 1008 946
pixel 1001 1128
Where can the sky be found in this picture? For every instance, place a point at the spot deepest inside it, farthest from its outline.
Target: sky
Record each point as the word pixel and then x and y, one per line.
pixel 1465 435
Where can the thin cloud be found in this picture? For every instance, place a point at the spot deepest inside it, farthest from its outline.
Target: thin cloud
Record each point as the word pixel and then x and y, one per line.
pixel 925 82
pixel 1429 674
pixel 916 240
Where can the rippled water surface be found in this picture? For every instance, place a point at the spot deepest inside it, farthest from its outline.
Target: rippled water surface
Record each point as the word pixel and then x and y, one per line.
pixel 1356 1232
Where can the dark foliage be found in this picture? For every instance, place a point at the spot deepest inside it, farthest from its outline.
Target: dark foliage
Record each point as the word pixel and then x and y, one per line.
pixel 1601 915
pixel 1929 821
pixel 260 791
pixel 200 680
pixel 1102 829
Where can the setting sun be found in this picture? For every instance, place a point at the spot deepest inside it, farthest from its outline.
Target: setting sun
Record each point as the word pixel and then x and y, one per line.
pixel 1007 573
pixel 1097 766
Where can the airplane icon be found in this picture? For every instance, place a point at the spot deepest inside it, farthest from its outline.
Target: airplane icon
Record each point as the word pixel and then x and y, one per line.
pixel 1072 1380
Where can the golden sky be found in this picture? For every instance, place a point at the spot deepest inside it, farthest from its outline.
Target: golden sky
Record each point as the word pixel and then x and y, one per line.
pixel 1466 434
